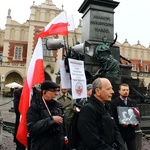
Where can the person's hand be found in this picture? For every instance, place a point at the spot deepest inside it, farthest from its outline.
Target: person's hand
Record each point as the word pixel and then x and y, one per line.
pixel 124 125
pixel 133 125
pixel 58 119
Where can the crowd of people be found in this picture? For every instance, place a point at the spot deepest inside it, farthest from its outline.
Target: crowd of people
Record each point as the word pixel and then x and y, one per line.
pixel 52 110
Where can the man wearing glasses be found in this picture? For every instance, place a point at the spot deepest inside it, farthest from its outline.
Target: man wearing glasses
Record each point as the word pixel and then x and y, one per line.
pixel 45 120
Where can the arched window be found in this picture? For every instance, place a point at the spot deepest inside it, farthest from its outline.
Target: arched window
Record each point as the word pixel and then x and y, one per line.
pixel 12 34
pixel 37 15
pixel 22 35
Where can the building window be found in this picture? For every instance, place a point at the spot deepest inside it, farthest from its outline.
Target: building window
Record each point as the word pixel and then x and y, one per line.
pixel 18 53
pixel 133 67
pixel 46 52
pixel 0 56
pixel 146 68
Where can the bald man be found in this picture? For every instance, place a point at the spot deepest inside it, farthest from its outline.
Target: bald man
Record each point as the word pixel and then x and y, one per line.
pixel 95 125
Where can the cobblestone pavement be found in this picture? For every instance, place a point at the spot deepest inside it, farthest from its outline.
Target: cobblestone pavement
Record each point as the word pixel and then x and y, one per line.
pixel 145 144
pixel 7 138
pixel 8 144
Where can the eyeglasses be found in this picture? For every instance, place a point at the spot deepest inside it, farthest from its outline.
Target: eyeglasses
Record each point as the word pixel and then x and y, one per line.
pixel 54 90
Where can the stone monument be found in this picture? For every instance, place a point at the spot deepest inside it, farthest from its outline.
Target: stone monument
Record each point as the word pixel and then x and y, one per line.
pixel 103 60
pixel 98 29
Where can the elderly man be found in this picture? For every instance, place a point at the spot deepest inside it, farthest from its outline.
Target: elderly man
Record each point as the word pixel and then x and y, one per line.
pixel 45 120
pixel 96 127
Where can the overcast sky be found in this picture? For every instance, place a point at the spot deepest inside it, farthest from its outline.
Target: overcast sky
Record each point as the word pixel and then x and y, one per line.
pixel 132 20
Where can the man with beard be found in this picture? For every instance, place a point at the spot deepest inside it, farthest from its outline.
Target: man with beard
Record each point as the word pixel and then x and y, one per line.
pixel 127 130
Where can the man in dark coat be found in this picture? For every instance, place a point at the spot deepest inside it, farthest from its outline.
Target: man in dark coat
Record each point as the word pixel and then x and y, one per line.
pixel 17 95
pixel 127 130
pixel 45 120
pixel 96 127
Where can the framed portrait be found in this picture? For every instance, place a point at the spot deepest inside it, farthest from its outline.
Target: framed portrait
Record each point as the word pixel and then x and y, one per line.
pixel 128 115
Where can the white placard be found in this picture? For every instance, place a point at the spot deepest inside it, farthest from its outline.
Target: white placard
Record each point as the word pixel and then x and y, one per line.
pixel 78 78
pixel 65 77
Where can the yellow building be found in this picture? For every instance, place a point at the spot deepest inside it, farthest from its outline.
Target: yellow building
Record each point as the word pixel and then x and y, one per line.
pixel 17 43
pixel 139 57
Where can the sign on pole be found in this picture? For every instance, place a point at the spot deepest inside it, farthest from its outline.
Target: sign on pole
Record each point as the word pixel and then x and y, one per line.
pixel 78 78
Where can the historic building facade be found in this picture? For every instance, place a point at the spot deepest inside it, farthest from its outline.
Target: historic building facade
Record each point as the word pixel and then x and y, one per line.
pixel 138 55
pixel 17 43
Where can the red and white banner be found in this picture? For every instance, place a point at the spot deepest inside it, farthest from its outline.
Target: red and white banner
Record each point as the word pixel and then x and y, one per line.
pixel 35 75
pixel 58 25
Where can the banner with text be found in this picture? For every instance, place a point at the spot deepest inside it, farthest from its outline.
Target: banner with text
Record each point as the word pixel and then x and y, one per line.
pixel 78 78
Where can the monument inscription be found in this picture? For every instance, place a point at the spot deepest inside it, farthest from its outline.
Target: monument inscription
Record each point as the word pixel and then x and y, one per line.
pixel 101 23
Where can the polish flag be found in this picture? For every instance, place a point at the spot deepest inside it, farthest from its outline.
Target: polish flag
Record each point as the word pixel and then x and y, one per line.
pixel 35 75
pixel 58 25
pixel 70 22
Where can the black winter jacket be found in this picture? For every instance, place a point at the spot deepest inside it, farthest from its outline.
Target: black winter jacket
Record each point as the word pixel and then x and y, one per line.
pixel 96 127
pixel 44 133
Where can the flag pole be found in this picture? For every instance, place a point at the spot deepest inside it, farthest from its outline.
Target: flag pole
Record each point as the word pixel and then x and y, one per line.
pixel 66 45
pixel 75 36
pixel 73 41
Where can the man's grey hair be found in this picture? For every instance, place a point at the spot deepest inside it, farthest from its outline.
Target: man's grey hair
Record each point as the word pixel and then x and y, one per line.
pixel 96 84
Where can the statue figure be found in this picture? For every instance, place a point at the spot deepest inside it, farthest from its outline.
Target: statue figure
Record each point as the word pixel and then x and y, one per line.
pixel 109 65
pixel 9 12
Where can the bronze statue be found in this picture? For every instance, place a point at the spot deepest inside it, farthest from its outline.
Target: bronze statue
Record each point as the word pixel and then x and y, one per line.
pixel 109 65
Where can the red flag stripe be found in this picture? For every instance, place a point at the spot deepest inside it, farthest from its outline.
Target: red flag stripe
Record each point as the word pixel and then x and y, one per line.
pixel 38 74
pixel 23 107
pixel 58 25
pixel 60 28
pixel 35 75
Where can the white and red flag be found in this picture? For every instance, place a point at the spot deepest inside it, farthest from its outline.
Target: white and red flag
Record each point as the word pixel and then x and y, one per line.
pixel 35 75
pixel 70 22
pixel 58 25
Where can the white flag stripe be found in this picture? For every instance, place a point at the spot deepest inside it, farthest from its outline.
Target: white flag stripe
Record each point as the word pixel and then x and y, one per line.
pixel 37 54
pixel 62 17
pixel 70 23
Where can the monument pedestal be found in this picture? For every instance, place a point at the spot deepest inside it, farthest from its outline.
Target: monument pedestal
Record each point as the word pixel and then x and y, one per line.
pixel 98 19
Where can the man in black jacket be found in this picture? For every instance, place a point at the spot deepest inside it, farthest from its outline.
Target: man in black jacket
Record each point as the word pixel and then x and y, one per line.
pixel 45 120
pixel 17 95
pixel 96 127
pixel 127 130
